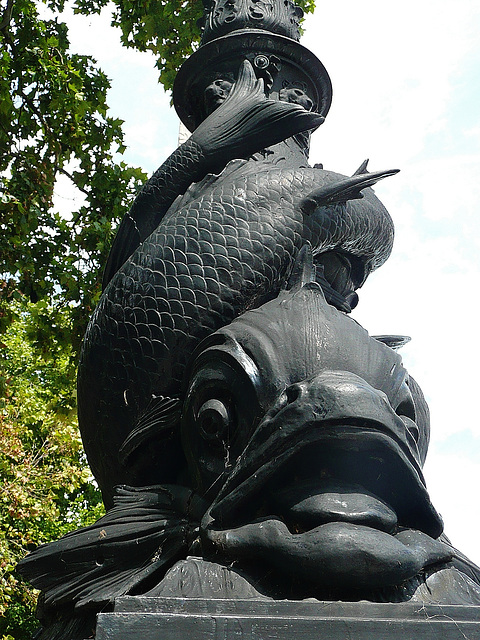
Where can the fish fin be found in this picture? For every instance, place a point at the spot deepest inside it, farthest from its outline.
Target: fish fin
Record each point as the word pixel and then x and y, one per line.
pixel 247 121
pixel 305 274
pixel 362 168
pixel 394 342
pixel 461 562
pixel 158 419
pixel 303 271
pixel 343 190
pixel 146 531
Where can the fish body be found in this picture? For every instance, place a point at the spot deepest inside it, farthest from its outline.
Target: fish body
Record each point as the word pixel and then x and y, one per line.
pixel 225 246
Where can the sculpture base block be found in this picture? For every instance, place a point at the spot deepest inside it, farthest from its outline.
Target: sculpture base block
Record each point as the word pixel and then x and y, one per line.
pixel 140 618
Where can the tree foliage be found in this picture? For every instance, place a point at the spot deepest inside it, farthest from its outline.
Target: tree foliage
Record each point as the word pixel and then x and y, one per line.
pixel 46 486
pixel 54 124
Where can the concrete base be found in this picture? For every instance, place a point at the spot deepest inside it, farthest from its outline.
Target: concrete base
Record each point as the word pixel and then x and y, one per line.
pixel 140 618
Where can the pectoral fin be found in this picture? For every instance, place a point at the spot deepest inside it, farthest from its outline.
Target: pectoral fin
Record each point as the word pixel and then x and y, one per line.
pixel 343 190
pixel 158 419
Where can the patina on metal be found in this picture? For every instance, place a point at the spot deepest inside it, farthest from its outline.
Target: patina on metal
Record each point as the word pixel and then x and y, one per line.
pixel 250 439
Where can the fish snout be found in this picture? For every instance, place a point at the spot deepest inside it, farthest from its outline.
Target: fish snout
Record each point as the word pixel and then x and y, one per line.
pixel 331 448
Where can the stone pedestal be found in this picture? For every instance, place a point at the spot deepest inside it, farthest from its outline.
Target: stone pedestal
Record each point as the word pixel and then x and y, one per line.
pixel 139 618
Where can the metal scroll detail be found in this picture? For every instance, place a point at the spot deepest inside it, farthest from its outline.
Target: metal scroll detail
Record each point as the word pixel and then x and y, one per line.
pixel 225 16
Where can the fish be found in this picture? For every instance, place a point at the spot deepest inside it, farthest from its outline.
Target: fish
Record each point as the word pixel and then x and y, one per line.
pixel 226 244
pixel 310 449
pixel 305 439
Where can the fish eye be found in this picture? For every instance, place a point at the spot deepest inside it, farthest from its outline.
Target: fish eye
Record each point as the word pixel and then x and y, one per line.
pixel 213 419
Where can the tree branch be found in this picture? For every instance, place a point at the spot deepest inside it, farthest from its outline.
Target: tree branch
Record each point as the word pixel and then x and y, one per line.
pixel 7 16
pixel 69 175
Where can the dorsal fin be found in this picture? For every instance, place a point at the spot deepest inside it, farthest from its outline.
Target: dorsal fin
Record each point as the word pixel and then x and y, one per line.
pixel 362 168
pixel 343 189
pixel 394 342
pixel 303 271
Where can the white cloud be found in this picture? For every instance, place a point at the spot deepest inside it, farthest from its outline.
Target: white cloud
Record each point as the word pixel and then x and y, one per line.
pixel 393 70
pixel 453 480
pixel 66 197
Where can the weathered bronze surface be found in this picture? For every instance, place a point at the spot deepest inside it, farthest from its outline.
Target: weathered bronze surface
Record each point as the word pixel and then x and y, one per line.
pixel 249 438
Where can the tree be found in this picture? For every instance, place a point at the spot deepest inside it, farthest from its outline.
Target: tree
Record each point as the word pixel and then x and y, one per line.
pixel 54 122
pixel 46 485
pixel 169 29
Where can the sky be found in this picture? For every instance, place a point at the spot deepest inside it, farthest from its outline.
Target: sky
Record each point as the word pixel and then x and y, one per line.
pixel 406 95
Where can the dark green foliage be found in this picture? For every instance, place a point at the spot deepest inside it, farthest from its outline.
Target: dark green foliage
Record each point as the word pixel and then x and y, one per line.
pixel 54 122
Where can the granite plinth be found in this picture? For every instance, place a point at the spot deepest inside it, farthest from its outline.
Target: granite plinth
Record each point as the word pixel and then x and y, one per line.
pixel 201 619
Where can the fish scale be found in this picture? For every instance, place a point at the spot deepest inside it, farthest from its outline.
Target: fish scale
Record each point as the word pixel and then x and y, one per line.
pixel 225 246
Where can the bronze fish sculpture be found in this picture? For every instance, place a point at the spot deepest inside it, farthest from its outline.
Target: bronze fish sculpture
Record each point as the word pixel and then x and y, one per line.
pixel 196 251
pixel 305 440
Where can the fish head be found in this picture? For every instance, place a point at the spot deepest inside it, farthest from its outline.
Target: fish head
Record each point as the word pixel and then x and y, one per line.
pixel 298 424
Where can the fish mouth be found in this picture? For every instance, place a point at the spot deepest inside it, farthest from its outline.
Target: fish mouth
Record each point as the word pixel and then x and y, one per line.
pixel 329 500
pixel 341 472
pixel 344 522
pixel 329 475
pixel 351 473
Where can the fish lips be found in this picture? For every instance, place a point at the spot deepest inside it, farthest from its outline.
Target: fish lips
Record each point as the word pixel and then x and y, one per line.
pixel 334 425
pixel 336 557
